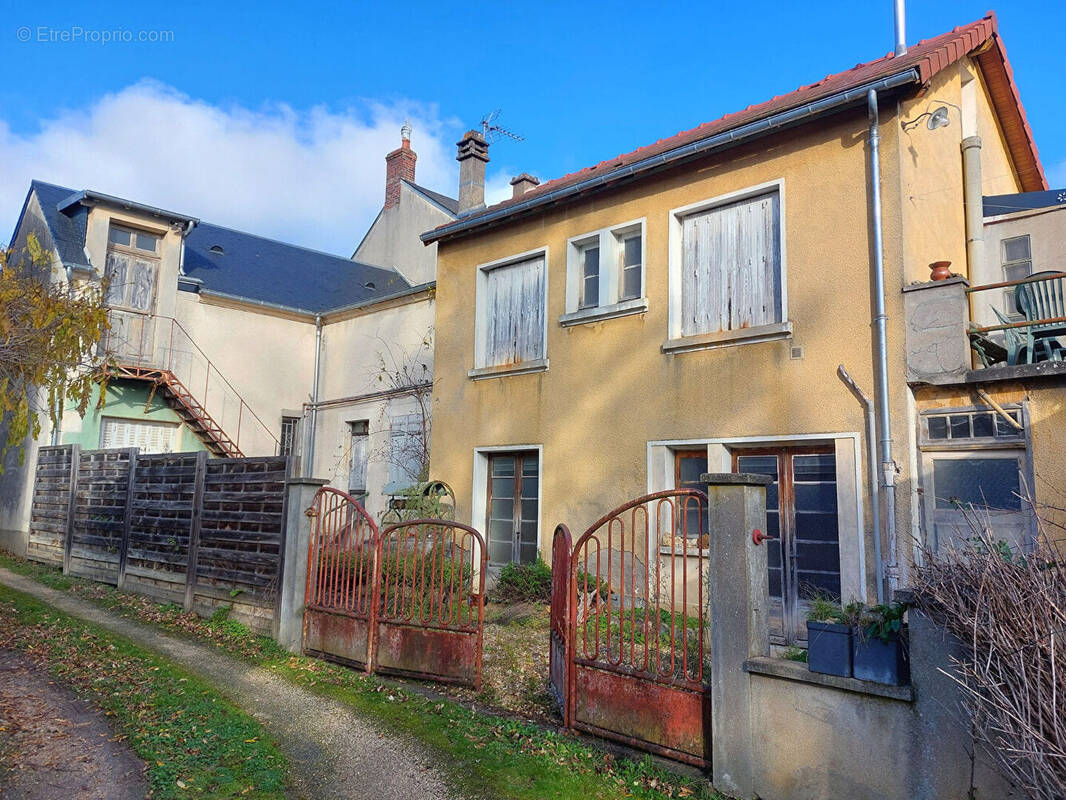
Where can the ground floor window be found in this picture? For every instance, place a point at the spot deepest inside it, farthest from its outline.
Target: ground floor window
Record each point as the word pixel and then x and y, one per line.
pixel 148 436
pixel 359 457
pixel 512 512
pixel 801 511
pixel 975 478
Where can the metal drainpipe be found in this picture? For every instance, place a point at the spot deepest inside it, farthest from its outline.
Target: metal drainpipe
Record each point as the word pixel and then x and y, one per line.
pixel 888 465
pixel 971 188
pixel 309 468
pixel 871 469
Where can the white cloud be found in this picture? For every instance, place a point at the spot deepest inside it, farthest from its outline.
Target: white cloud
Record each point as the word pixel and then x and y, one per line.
pixel 313 177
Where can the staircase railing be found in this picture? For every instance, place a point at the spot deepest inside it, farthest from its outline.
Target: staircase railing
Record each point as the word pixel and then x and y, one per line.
pixel 155 342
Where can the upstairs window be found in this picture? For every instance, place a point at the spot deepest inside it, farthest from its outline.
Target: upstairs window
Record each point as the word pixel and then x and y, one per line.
pixel 605 274
pixel 1017 263
pixel 132 266
pixel 731 266
pixel 407 451
pixel 511 313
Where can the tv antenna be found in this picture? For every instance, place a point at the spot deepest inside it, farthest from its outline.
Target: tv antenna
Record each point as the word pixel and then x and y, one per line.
pixel 492 132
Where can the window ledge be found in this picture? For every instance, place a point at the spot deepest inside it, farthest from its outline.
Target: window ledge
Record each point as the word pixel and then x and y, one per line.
pixel 708 341
pixel 599 313
pixel 795 671
pixel 502 370
pixel 692 552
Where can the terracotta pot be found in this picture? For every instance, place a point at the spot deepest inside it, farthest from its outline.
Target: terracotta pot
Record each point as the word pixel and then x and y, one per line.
pixel 941 270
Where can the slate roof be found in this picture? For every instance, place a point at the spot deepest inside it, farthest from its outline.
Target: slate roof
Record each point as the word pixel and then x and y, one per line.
pixel 994 205
pixel 67 228
pixel 282 274
pixel 250 267
pixel 927 58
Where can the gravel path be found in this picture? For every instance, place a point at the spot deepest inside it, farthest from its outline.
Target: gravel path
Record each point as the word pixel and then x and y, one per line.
pixel 56 745
pixel 333 752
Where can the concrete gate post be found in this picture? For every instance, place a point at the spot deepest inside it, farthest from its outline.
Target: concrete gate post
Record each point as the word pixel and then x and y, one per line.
pixel 289 620
pixel 738 600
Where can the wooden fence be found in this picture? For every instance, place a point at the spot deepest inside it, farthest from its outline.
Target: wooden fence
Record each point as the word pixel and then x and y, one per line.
pixel 178 527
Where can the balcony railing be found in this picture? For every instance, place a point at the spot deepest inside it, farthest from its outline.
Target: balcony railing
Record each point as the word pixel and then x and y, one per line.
pixel 1029 331
pixel 146 342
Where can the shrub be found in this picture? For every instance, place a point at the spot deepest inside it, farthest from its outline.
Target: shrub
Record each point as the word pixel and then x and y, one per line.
pixel 1009 613
pixel 529 583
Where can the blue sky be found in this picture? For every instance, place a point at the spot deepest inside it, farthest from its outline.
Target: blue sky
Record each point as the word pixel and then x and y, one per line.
pixel 275 117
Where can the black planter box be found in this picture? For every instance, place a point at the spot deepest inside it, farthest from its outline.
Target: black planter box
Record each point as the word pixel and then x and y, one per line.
pixel 881 662
pixel 829 648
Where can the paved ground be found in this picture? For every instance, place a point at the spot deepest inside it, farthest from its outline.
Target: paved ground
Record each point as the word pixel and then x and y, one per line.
pixel 333 752
pixel 58 746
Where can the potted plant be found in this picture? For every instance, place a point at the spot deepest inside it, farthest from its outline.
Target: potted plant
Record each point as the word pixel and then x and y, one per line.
pixel 880 646
pixel 829 649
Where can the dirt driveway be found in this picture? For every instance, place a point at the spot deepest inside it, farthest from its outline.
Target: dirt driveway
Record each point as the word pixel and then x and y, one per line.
pixel 54 746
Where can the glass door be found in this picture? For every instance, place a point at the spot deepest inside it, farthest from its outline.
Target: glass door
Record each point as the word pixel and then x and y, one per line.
pixel 801 510
pixel 512 507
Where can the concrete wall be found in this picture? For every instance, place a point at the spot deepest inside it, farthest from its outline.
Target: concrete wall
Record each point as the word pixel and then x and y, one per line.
pixel 267 357
pixel 355 349
pixel 392 240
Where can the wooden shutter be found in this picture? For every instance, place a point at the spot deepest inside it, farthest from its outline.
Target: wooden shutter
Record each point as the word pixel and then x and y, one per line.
pixel 731 266
pixel 150 437
pixel 514 309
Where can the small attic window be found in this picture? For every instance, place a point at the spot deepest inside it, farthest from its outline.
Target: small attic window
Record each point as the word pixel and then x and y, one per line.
pixel 217 248
pixel 370 285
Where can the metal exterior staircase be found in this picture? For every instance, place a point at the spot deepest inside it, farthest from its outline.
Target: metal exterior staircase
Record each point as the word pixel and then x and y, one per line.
pixel 179 399
pixel 160 350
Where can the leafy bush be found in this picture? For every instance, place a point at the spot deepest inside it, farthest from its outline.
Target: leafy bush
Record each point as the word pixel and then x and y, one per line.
pixel 529 583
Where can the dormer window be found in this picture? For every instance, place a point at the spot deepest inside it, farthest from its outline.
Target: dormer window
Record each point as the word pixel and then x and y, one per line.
pixel 132 266
pixel 135 240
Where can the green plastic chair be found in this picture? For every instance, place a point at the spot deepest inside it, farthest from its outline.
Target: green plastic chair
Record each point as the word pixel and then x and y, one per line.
pixel 1042 299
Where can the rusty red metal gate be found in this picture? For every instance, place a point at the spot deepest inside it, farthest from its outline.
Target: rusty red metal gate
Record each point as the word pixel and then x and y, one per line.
pixel 628 625
pixel 408 600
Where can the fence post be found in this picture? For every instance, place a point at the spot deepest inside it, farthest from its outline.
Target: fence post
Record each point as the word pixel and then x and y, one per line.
pixel 68 538
pixel 194 528
pixel 289 617
pixel 738 600
pixel 124 546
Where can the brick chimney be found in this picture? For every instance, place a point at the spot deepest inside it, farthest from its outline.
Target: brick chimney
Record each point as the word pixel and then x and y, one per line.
pixel 523 183
pixel 399 166
pixel 473 155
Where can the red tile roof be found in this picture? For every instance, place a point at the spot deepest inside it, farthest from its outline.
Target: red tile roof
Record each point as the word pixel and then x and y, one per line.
pixel 928 57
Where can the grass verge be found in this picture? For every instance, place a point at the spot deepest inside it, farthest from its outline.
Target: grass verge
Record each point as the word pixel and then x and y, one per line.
pixel 195 742
pixel 485 755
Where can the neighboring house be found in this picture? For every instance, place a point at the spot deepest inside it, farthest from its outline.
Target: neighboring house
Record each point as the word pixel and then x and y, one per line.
pixel 1023 234
pixel 684 308
pixel 216 334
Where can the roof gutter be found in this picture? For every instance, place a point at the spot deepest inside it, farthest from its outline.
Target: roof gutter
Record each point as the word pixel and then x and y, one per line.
pixel 88 196
pixel 775 122
pixel 197 285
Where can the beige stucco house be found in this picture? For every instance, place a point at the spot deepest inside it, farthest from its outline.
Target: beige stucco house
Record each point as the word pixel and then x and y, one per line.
pixel 685 307
pixel 231 342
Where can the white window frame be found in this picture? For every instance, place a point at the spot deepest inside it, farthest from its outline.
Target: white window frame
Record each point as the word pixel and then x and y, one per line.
pixel 482 370
pixel 1005 264
pixel 479 499
pixel 675 342
pixel 851 524
pixel 610 305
